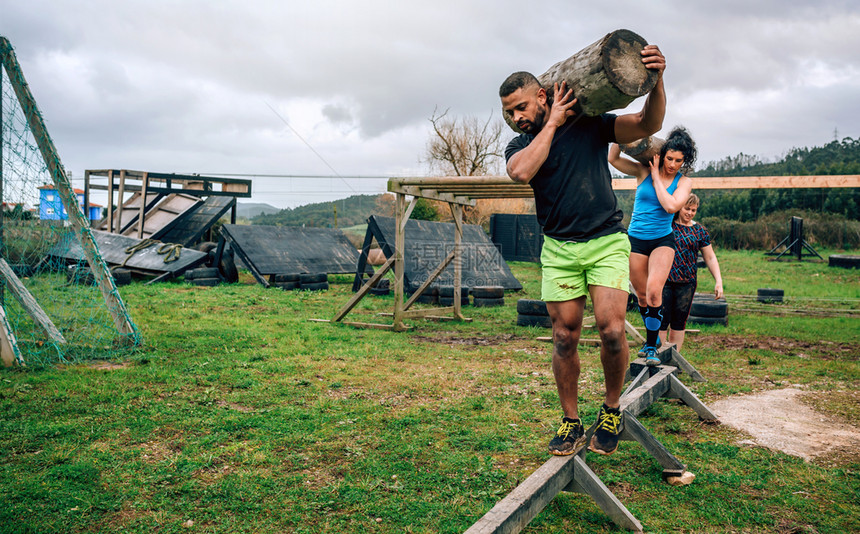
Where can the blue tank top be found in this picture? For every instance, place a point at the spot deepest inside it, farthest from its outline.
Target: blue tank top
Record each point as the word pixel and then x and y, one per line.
pixel 649 219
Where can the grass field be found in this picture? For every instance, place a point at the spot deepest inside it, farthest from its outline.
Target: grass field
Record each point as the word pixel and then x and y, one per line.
pixel 240 415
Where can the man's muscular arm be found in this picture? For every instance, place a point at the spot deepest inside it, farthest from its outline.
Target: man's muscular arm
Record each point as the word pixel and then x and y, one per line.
pixel 523 165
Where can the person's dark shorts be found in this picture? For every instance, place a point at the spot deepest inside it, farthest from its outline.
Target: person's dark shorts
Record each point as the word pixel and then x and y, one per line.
pixel 647 246
pixel 677 301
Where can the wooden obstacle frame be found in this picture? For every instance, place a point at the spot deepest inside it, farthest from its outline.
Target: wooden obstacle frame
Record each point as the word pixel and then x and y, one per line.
pixel 571 473
pixel 461 191
pixel 152 193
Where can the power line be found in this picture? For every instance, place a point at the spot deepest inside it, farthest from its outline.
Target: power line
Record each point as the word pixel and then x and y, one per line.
pixel 308 145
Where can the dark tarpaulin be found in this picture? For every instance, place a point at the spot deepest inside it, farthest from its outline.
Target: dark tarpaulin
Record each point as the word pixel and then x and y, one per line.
pixel 428 243
pixel 287 249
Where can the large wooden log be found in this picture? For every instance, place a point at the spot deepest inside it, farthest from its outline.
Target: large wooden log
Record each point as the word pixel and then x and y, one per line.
pixel 644 149
pixel 606 75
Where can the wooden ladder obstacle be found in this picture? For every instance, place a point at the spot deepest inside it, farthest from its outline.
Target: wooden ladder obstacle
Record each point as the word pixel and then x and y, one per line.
pixel 571 473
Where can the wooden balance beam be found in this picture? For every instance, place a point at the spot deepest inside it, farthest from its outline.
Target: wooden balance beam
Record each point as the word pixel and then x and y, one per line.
pixel 571 473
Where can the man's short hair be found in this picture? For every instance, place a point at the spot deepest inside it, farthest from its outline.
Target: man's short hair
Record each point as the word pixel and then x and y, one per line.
pixel 516 81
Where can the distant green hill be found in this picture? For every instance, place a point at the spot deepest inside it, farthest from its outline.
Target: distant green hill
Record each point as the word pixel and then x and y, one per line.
pixel 248 210
pixel 338 213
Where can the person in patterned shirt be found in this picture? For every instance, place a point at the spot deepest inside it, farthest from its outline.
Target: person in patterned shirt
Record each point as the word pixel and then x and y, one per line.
pixel 690 238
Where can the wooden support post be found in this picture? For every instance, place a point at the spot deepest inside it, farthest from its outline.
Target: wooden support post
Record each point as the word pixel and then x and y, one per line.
pixel 457 211
pixel 9 352
pixel 121 201
pixel 399 270
pixel 680 391
pixel 362 291
pixel 141 217
pixel 110 211
pixel 634 431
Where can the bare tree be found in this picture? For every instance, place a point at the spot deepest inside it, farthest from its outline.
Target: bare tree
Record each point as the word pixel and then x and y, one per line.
pixel 469 147
pixel 464 147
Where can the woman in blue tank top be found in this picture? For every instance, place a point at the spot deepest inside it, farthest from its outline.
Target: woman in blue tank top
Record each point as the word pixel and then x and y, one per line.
pixel 662 189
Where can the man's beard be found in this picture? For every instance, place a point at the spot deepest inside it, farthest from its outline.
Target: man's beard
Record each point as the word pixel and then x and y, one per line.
pixel 533 128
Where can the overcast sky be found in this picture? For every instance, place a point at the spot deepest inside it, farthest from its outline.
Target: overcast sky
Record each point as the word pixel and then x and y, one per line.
pixel 346 88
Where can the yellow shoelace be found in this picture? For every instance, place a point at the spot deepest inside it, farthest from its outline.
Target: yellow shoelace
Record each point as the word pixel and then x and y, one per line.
pixel 566 429
pixel 609 422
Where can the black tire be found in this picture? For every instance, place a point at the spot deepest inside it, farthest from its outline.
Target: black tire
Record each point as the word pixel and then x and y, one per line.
pixel 121 277
pixel 228 270
pixel 287 286
pixel 202 272
pixel 694 319
pixel 487 303
pixel 542 321
pixel 844 260
pixel 448 291
pixel 80 275
pixel 383 283
pixel 532 307
pixel 768 295
pixel 22 270
pixel 488 292
pixel 313 278
pixel 206 246
pixel 449 301
pixel 707 297
pixel 428 299
pixel 206 282
pixel 314 286
pixel 380 291
pixel 712 308
pixel 287 277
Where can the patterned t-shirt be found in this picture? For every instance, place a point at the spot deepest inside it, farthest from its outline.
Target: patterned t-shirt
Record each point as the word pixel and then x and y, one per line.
pixel 688 241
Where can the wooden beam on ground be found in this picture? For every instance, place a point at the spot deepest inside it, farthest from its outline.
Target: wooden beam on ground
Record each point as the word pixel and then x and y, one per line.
pixel 514 512
pixel 29 303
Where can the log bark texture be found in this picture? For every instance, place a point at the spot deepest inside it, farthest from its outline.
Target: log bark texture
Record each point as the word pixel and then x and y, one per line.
pixel 606 75
pixel 644 149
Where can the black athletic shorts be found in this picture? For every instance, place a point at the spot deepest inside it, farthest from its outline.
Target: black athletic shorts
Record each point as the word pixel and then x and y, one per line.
pixel 647 246
pixel 677 301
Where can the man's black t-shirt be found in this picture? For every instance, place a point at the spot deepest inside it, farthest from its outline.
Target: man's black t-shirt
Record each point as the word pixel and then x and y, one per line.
pixel 573 188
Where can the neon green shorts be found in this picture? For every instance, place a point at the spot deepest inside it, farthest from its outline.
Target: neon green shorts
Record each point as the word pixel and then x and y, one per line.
pixel 569 268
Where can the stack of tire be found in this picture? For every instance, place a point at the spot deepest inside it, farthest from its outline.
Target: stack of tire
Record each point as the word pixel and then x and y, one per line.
pixel 533 313
pixel 769 295
pixel 488 296
pixel 382 287
pixel 446 296
pixel 81 274
pixel 285 281
pixel 707 310
pixel 845 261
pixel 226 268
pixel 313 281
pixel 429 296
pixel 203 276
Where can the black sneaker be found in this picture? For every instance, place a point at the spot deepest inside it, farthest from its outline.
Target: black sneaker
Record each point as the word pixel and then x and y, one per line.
pixel 605 438
pixel 569 437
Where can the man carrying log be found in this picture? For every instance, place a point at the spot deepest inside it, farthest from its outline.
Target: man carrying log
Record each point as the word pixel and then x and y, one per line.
pixel 563 156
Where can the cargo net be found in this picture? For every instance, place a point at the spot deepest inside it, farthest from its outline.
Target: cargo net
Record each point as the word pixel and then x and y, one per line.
pixel 41 249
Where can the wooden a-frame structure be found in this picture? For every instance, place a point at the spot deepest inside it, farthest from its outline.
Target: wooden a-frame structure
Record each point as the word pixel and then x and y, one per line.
pixel 80 224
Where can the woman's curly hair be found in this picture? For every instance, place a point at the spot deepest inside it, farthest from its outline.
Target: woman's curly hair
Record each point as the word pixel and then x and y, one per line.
pixel 679 139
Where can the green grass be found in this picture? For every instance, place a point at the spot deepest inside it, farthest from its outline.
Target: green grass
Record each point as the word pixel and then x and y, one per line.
pixel 240 415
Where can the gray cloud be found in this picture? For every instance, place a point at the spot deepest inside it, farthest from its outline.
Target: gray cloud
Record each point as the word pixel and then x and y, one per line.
pixel 186 87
